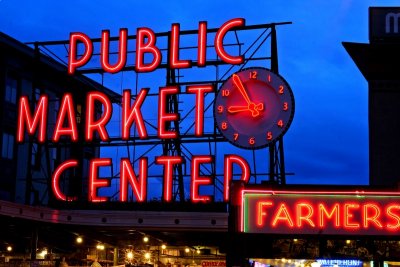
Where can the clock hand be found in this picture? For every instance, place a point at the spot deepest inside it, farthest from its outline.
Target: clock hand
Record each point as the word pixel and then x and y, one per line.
pixel 253 108
pixel 238 83
pixel 234 109
pixel 259 106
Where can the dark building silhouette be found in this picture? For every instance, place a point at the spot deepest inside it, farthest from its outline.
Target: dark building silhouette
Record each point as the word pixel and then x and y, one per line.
pixel 26 168
pixel 379 61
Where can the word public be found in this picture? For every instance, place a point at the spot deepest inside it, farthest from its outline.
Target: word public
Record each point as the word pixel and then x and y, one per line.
pixel 34 122
pixel 146 47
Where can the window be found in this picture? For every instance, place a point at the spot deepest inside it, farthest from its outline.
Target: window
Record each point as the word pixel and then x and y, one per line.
pixel 11 90
pixel 8 146
pixel 36 156
pixel 37 94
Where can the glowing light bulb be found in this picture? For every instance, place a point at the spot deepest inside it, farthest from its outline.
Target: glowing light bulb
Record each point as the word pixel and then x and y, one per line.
pixel 163 246
pixel 9 248
pixel 43 253
pixel 145 239
pixel 79 240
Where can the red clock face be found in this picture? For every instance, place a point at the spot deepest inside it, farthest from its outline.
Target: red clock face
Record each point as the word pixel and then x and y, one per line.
pixel 253 108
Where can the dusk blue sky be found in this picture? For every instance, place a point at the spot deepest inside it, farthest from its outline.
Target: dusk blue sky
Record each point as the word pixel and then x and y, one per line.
pixel 328 140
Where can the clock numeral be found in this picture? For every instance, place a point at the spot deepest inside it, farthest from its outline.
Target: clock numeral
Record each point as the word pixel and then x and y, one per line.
pixel 269 78
pixel 224 125
pixel 269 136
pixel 235 136
pixel 285 106
pixel 226 92
pixel 220 109
pixel 281 89
pixel 252 140
pixel 280 123
pixel 253 74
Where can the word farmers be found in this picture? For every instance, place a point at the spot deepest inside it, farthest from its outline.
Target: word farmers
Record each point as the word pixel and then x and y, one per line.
pixel 321 212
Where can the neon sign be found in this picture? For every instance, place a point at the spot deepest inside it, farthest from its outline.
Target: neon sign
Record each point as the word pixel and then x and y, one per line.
pixel 339 262
pixel 148 57
pixel 37 121
pixel 330 213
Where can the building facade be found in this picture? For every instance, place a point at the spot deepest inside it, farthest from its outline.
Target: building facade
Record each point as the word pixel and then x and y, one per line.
pixel 26 167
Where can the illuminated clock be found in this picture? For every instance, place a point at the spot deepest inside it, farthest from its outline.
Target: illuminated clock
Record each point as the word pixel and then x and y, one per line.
pixel 253 108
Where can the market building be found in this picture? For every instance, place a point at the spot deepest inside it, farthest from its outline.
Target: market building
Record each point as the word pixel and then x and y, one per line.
pixel 113 177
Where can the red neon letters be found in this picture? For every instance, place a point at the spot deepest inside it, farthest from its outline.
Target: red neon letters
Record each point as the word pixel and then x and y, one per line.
pixel 100 125
pixel 39 118
pixel 346 215
pixel 133 114
pixel 174 60
pixel 96 122
pixel 139 186
pixel 73 61
pixel 219 41
pixel 105 51
pixel 229 160
pixel 94 182
pixel 66 110
pixel 199 90
pixel 95 129
pixel 198 180
pixel 56 179
pixel 165 118
pixel 202 44
pixel 148 56
pixel 137 179
pixel 169 162
pixel 149 47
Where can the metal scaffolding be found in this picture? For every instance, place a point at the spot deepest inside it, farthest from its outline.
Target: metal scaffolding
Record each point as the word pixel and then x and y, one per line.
pixel 258 45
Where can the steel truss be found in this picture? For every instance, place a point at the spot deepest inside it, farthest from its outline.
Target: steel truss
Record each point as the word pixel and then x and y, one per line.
pixel 262 51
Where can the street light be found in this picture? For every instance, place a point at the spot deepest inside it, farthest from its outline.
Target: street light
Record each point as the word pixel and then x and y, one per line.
pixel 9 248
pixel 79 240
pixel 145 239
pixel 43 253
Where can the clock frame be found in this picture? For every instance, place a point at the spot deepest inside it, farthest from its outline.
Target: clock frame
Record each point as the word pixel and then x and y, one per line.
pixel 254 108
